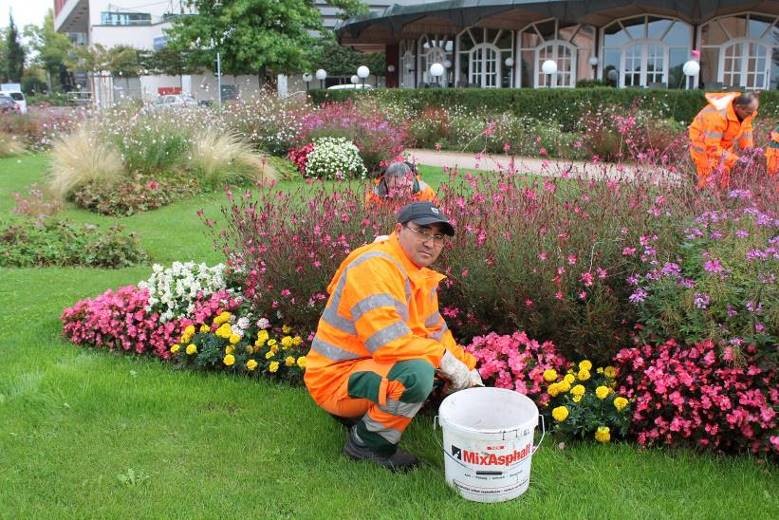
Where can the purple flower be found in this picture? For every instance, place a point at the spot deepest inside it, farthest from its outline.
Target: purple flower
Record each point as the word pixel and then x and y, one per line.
pixel 759 327
pixel 687 283
pixel 731 311
pixel 633 279
pixel 755 254
pixel 714 266
pixel 671 269
pixel 740 194
pixel 638 296
pixel 701 300
pixel 742 233
pixel 754 307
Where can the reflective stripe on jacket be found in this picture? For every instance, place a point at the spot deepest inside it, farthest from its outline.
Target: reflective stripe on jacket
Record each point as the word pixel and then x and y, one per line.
pixel 383 307
pixel 716 130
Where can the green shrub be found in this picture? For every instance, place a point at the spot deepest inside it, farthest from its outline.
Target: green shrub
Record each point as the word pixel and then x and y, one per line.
pixel 40 243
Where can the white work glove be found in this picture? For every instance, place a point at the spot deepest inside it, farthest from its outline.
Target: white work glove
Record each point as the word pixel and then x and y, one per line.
pixel 381 238
pixel 455 371
pixel 474 378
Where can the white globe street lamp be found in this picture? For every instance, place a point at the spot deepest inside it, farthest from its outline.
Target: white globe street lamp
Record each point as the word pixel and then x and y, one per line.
pixel 447 64
pixel 437 70
pixel 321 75
pixel 307 79
pixel 363 72
pixel 354 79
pixel 594 64
pixel 549 67
pixel 691 69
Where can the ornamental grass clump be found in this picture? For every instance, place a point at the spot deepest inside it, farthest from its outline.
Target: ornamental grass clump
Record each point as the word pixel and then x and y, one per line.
pixel 583 403
pixel 219 158
pixel 701 397
pixel 550 256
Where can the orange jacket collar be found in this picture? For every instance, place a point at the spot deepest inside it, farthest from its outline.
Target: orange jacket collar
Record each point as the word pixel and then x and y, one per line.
pixel 416 273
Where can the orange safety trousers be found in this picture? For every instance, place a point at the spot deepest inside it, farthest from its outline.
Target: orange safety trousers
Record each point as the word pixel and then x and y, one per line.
pixel 385 397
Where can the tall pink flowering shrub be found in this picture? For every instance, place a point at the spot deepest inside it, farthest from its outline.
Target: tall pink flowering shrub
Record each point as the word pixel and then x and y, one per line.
pixel 690 395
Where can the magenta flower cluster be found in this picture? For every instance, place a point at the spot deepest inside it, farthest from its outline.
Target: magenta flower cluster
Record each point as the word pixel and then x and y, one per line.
pixel 118 320
pixel 689 395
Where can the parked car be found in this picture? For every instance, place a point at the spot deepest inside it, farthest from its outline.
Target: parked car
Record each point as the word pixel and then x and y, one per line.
pixel 175 101
pixel 18 97
pixel 350 86
pixel 8 105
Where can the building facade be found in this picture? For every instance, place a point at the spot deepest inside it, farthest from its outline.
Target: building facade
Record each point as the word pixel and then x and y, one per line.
pixel 505 43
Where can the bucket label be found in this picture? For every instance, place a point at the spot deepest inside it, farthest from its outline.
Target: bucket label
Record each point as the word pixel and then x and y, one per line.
pixel 491 459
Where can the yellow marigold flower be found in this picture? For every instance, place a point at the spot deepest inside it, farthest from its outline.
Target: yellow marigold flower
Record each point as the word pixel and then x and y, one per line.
pixel 251 364
pixel 286 342
pixel 569 378
pixel 577 398
pixel 297 341
pixel 234 338
pixel 224 331
pixel 578 390
pixel 289 361
pixel 272 342
pixel 269 354
pixel 602 434
pixel 550 374
pixel 585 365
pixel 610 372
pixel 620 403
pixel 189 330
pixel 204 328
pixel 602 392
pixel 263 335
pixel 223 317
pixel 583 375
pixel 302 361
pixel 175 348
pixel 191 349
pixel 563 386
pixel 249 349
pixel 553 390
pixel 599 370
pixel 273 367
pixel 560 413
pixel 185 338
pixel 286 329
pixel 229 349
pixel 229 360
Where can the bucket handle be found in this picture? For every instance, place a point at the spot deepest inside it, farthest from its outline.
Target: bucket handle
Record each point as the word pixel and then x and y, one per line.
pixel 436 423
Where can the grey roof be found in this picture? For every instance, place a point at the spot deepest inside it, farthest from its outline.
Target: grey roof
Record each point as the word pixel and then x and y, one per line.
pixel 394 22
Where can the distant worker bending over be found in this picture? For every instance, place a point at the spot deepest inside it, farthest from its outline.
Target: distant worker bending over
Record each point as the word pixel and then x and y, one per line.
pixel 722 128
pixel 400 181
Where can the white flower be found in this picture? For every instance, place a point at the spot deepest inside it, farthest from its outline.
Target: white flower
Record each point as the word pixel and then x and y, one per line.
pixel 243 322
pixel 263 323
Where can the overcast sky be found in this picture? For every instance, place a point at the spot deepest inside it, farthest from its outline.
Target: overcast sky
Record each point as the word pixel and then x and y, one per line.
pixel 25 11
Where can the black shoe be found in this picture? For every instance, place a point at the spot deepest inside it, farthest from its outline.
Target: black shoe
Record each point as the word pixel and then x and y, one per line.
pixel 398 461
pixel 346 422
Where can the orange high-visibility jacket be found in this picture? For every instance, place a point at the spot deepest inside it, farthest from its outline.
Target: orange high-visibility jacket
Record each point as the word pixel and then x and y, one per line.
pixel 772 153
pixel 422 193
pixel 715 131
pixel 381 306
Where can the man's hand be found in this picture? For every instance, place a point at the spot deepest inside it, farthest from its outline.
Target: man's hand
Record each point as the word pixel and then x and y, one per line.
pixel 455 371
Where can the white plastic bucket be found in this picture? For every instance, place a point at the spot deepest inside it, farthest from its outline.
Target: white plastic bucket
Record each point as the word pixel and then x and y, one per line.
pixel 488 442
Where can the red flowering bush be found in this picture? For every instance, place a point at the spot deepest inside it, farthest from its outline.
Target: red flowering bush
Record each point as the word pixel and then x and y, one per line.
pixel 118 320
pixel 691 396
pixel 299 156
pixel 516 362
pixel 378 140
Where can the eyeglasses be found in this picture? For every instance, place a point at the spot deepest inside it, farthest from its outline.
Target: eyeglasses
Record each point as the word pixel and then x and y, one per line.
pixel 425 234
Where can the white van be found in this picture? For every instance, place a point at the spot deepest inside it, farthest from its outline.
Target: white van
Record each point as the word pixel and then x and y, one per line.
pixel 19 98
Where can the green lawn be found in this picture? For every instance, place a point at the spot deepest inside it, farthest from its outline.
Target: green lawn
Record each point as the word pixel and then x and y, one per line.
pixel 86 434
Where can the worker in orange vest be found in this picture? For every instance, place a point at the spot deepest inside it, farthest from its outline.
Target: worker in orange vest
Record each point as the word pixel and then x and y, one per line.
pixel 772 153
pixel 724 125
pixel 381 339
pixel 399 181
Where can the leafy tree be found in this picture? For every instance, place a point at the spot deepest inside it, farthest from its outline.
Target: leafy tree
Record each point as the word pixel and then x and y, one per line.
pixel 14 53
pixel 253 36
pixel 343 61
pixel 119 60
pixel 350 8
pixel 52 50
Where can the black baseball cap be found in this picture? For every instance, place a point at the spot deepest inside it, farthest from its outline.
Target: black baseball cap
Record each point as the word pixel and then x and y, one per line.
pixel 424 214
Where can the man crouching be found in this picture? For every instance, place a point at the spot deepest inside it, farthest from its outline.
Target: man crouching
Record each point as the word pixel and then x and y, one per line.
pixel 381 338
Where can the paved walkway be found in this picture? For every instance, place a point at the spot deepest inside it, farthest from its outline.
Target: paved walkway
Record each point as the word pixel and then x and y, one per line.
pixel 536 166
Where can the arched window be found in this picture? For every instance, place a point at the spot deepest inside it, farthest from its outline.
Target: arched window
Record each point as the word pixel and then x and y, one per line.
pixel 435 48
pixel 407 63
pixel 482 57
pixel 645 51
pixel 741 51
pixel 570 47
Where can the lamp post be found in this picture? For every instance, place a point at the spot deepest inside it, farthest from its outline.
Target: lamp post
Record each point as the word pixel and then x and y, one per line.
pixel 509 63
pixel 355 79
pixel 437 70
pixel 363 72
pixel 594 65
pixel 321 75
pixel 307 79
pixel 691 69
pixel 549 67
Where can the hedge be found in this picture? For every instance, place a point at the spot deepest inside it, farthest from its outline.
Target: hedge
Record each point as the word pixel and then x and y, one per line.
pixel 566 106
